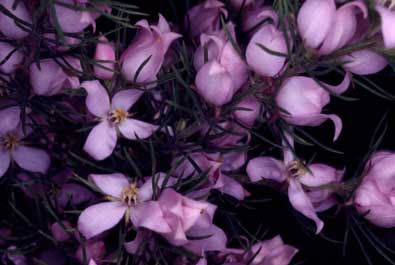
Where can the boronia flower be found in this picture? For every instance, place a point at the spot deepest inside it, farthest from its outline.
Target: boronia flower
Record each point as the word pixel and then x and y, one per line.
pixel 144 57
pixel 105 59
pixel 364 62
pixel 8 26
pixel 375 197
pixel 304 191
pixel 126 200
pixel 114 117
pixel 386 10
pixel 12 147
pixel 301 100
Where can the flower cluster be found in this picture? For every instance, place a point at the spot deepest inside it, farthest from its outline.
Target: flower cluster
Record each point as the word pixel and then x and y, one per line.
pixel 127 141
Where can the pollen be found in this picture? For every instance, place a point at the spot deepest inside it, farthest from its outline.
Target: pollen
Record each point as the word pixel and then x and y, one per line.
pixel 11 141
pixel 130 193
pixel 297 168
pixel 118 115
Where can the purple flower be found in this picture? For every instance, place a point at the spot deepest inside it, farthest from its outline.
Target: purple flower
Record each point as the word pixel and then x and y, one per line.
pixel 302 100
pixel 105 59
pixel 375 197
pixel 304 189
pixel 126 201
pixel 223 74
pixel 261 61
pixel 113 117
pixel 7 24
pixel 49 78
pixel 144 57
pixel 12 147
pixel 205 17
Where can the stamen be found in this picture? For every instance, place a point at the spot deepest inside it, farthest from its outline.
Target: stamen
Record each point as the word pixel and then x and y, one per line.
pixel 129 194
pixel 296 168
pixel 118 115
pixel 11 141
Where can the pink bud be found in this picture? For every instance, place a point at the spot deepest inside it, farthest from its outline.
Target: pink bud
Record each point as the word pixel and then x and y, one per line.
pixel 144 57
pixel 344 26
pixel 7 24
pixel 315 19
pixel 261 61
pixel 364 62
pixel 104 52
pixel 204 18
pixel 247 111
pixel 387 25
pixel 215 84
pixel 49 78
pixel 252 18
pixel 302 100
pixel 14 56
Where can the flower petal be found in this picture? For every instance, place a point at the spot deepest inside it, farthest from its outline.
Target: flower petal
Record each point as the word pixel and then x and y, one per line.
pixel 110 184
pixel 100 217
pixel 31 159
pixel 9 119
pixel 149 215
pixel 125 99
pixel 266 168
pixel 101 141
pixel 135 129
pixel 300 201
pixel 97 100
pixel 364 62
pixel 387 26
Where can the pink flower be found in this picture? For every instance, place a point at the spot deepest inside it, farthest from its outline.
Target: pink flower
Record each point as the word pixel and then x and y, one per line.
pixel 205 17
pixel 126 201
pixel 304 189
pixel 375 197
pixel 113 116
pixel 223 74
pixel 302 100
pixel 13 55
pixel 72 20
pixel 105 59
pixel 11 28
pixel 315 19
pixel 344 26
pixel 364 62
pixel 49 78
pixel 189 221
pixel 254 17
pixel 12 147
pixel 247 111
pixel 261 61
pixel 268 252
pixel 387 16
pixel 144 57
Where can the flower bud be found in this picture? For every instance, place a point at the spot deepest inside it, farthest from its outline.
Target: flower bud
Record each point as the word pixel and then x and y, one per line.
pixel 10 57
pixel 105 57
pixel 260 60
pixel 387 25
pixel 364 62
pixel 8 26
pixel 247 111
pixel 315 20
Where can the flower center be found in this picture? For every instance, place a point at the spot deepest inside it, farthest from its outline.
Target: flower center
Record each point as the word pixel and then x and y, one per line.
pixel 130 193
pixel 296 168
pixel 118 115
pixel 11 140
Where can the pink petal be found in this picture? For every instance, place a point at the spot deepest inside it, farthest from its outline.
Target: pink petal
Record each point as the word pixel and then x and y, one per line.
pixel 100 217
pixel 110 184
pixel 321 174
pixel 7 24
pixel 266 168
pixel 105 51
pixel 262 62
pixel 231 187
pixel 387 26
pixel 343 86
pixel 315 19
pixel 248 110
pixel 216 241
pixel 234 64
pixel 337 122
pixel 364 62
pixel 9 119
pixel 125 99
pixel 149 215
pixel 5 160
pixel 74 194
pixel 214 84
pixel 300 201
pixel 344 26
pixel 97 100
pixel 31 159
pixel 13 55
pixel 135 129
pixel 146 190
pixel 101 141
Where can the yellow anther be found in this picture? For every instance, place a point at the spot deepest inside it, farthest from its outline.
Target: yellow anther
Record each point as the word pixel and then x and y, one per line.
pixel 118 115
pixel 11 141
